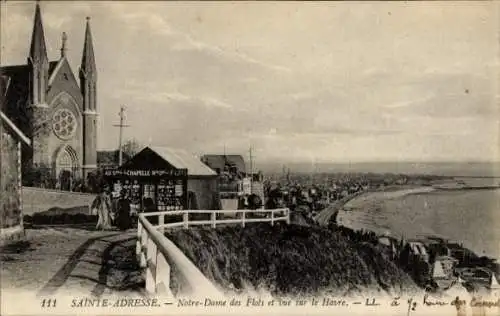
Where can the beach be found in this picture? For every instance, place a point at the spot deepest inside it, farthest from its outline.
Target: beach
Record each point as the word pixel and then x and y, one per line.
pixel 466 216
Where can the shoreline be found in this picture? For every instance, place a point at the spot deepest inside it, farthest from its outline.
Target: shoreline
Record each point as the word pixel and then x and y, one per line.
pixel 350 215
pixel 324 216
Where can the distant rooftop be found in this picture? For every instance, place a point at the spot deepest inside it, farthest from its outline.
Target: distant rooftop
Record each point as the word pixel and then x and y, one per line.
pixel 219 161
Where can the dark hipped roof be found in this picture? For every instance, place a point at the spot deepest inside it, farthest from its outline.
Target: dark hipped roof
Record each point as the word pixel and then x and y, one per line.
pixel 4 85
pixel 219 161
pixel 18 89
pixel 17 93
pixel 14 128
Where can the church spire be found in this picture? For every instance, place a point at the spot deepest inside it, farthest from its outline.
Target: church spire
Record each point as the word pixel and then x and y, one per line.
pixel 38 61
pixel 38 50
pixel 88 60
pixel 64 38
pixel 88 86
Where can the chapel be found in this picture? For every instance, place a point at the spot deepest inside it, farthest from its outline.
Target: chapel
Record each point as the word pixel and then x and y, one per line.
pixel 54 107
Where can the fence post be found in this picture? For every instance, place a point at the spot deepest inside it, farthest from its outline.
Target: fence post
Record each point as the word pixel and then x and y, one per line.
pixel 138 245
pixel 272 217
pixel 151 263
pixel 185 219
pixel 161 222
pixel 144 239
pixel 162 276
pixel 287 214
pixel 213 218
pixel 243 218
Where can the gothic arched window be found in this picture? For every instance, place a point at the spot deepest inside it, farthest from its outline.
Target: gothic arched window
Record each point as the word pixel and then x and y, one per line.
pixel 65 161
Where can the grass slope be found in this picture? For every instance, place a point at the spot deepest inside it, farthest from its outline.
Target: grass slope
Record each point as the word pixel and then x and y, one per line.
pixel 290 260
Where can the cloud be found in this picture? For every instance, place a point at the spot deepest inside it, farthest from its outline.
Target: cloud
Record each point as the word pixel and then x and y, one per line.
pixel 191 44
pixel 55 21
pixel 152 22
pixel 407 103
pixel 156 23
pixel 468 104
pixel 159 98
pixel 298 80
pixel 13 21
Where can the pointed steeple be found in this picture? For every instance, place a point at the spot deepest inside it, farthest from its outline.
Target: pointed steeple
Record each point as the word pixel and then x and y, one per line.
pixel 38 62
pixel 88 86
pixel 64 38
pixel 38 50
pixel 88 60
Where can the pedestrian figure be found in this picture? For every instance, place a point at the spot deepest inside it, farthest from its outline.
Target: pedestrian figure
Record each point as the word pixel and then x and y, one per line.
pixel 102 206
pixel 114 207
pixel 123 220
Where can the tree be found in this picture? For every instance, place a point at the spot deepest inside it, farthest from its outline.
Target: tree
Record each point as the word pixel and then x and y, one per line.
pixel 95 181
pixel 130 148
pixel 38 175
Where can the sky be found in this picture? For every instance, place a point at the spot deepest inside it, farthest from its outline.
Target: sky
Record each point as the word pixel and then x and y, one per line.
pixel 299 82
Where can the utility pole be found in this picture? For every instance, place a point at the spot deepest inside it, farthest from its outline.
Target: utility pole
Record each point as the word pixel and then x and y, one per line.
pixel 121 126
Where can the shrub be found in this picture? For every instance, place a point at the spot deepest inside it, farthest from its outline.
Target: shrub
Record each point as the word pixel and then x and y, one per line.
pixel 291 259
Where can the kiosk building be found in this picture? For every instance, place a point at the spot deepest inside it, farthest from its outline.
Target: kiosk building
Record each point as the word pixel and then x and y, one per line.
pixel 172 178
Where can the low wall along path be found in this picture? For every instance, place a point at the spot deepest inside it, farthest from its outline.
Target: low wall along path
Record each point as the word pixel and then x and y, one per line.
pixel 36 200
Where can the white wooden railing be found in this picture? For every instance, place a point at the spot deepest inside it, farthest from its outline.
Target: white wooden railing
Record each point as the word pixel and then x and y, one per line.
pixel 157 254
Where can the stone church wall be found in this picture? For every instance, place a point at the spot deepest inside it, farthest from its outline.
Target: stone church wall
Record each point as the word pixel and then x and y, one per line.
pixel 40 129
pixel 54 143
pixel 10 186
pixel 63 94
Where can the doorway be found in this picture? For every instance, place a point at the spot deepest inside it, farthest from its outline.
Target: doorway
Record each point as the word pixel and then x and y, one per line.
pixel 66 166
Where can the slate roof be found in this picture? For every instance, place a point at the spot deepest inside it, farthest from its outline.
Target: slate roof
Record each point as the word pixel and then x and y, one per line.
pixel 14 128
pixel 4 86
pixel 17 93
pixel 181 159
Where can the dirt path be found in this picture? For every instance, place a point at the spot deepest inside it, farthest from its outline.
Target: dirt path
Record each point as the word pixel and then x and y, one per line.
pixel 75 260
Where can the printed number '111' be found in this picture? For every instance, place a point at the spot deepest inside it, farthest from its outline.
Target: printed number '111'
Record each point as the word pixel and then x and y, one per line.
pixel 49 303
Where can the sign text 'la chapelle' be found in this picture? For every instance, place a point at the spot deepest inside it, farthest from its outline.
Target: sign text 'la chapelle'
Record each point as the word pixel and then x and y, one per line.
pixel 146 173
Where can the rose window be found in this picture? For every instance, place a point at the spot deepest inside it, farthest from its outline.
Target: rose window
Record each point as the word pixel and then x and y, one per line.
pixel 64 123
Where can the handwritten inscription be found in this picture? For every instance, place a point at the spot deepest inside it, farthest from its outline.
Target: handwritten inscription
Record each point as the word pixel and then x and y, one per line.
pixel 433 302
pixel 477 302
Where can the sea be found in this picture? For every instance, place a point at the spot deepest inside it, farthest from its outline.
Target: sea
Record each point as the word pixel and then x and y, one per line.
pixel 468 216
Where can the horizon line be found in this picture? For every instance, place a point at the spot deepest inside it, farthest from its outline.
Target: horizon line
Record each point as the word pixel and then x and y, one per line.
pixel 283 161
